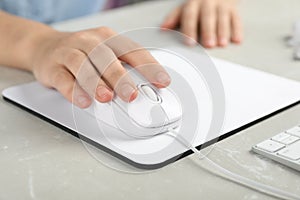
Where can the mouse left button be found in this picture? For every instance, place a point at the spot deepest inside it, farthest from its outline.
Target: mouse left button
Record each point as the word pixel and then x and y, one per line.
pixel 150 93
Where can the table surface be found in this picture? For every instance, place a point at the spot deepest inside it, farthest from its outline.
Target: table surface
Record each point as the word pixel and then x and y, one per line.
pixel 39 160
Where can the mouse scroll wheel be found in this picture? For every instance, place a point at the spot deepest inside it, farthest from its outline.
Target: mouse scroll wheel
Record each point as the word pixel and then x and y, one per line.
pixel 150 93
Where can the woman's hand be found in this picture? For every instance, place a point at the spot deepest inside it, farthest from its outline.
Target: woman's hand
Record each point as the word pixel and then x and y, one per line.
pixel 81 60
pixel 216 22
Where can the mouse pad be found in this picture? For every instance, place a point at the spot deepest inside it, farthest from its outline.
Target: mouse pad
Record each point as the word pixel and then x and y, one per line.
pixel 251 96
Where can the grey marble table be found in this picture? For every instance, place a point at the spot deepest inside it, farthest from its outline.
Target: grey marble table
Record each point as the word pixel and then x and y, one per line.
pixel 41 161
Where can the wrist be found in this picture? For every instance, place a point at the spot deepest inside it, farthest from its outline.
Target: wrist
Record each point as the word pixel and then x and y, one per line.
pixel 36 44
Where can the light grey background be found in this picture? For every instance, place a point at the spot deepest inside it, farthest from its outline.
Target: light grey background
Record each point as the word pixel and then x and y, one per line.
pixel 40 161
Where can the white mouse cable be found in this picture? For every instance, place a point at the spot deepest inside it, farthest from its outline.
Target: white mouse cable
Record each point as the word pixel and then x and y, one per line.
pixel 263 188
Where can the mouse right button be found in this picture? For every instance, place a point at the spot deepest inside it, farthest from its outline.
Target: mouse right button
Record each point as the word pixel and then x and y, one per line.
pixel 171 105
pixel 146 113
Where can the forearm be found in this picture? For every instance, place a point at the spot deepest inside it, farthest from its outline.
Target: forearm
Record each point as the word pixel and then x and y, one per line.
pixel 19 40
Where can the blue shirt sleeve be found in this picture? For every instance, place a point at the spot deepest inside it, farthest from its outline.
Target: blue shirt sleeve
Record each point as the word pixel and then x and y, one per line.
pixel 49 11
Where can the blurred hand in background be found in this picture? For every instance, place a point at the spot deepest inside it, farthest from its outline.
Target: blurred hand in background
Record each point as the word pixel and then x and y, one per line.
pixel 215 22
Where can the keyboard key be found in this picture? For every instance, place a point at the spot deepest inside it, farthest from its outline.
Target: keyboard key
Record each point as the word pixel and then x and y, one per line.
pixel 280 137
pixel 294 131
pixel 270 145
pixel 291 139
pixel 283 148
pixel 291 152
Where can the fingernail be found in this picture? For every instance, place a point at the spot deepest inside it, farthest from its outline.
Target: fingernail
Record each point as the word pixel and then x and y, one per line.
pixel 163 78
pixel 83 101
pixel 190 42
pixel 223 42
pixel 163 26
pixel 211 43
pixel 237 40
pixel 104 93
pixel 128 92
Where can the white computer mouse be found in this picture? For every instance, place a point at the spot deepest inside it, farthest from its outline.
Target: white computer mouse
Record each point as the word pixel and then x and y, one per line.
pixel 152 109
pixel 153 112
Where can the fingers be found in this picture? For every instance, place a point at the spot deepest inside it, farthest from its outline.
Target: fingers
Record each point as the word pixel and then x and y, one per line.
pixel 103 92
pixel 223 26
pixel 208 21
pixel 236 25
pixel 172 19
pixel 64 82
pixel 104 60
pixel 189 21
pixel 217 22
pixel 95 63
pixel 118 78
pixel 139 58
pixel 148 67
pixel 87 77
pixel 113 73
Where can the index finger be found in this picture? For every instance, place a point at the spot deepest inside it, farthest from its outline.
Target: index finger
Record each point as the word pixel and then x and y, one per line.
pixel 141 59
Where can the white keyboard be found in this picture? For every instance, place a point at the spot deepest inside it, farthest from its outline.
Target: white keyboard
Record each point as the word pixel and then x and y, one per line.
pixel 283 148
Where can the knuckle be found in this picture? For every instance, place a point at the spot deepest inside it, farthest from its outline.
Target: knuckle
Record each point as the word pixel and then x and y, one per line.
pixel 105 31
pixel 81 35
pixel 74 59
pixel 88 38
pixel 113 74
